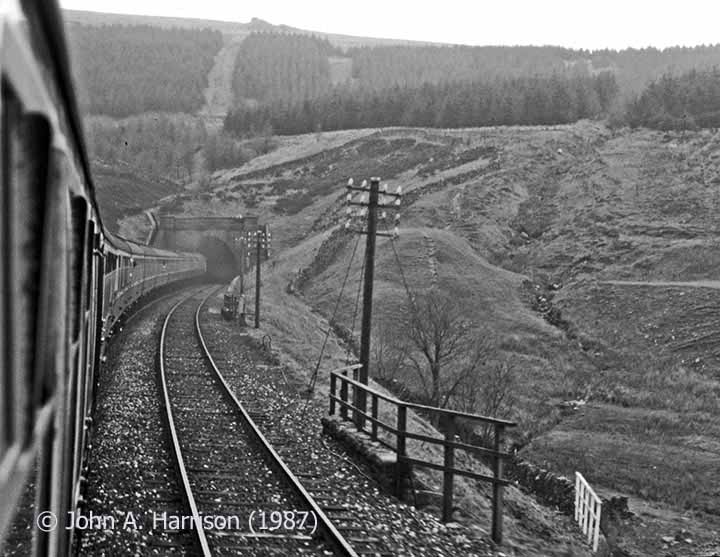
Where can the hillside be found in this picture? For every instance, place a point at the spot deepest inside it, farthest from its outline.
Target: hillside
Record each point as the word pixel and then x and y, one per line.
pixel 531 226
pixel 236 29
pixel 124 70
pixel 123 192
pixel 143 71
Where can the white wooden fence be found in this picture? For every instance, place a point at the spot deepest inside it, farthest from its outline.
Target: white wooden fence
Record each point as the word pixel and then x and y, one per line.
pixel 587 510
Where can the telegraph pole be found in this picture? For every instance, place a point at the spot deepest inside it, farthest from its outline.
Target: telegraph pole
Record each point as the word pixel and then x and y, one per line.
pixel 373 203
pixel 366 326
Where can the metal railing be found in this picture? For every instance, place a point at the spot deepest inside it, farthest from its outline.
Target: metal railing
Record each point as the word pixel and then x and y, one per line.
pixel 342 394
pixel 587 510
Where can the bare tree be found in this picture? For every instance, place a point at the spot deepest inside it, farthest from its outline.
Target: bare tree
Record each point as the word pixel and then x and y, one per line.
pixel 389 351
pixel 453 363
pixel 443 352
pixel 490 392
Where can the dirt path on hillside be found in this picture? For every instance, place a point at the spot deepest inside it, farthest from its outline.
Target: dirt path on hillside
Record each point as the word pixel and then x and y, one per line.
pixel 219 94
pixel 681 284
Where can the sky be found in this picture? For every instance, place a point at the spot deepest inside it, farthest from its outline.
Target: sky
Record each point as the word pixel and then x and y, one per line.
pixel 584 24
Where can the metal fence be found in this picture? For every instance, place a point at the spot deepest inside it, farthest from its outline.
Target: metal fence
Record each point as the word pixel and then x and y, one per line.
pixel 344 393
pixel 587 510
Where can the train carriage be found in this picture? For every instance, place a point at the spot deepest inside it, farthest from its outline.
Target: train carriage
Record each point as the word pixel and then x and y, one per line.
pixel 64 280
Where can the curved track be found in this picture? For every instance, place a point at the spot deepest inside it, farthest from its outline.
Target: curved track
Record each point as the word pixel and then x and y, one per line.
pixel 228 469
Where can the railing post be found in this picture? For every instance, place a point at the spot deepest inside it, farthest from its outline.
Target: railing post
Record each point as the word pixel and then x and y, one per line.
pixel 577 496
pixel 497 516
pixel 333 386
pixel 449 464
pixel 596 536
pixel 400 448
pixel 357 417
pixel 374 413
pixel 343 395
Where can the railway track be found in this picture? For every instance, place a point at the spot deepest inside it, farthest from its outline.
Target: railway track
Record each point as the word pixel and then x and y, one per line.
pixel 241 497
pixel 271 397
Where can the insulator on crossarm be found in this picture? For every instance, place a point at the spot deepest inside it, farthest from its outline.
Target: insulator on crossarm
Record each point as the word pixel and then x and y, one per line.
pixel 397 202
pixel 397 218
pixel 399 190
pixel 396 232
pixel 383 187
pixel 348 197
pixel 383 215
pixel 364 183
pixel 347 225
pixel 350 182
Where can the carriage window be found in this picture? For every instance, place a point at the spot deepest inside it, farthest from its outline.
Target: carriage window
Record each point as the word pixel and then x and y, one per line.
pixel 24 144
pixel 9 108
pixel 78 208
pixel 90 243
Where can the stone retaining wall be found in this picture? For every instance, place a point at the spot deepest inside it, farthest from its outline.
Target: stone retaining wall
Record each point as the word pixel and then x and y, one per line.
pixel 549 488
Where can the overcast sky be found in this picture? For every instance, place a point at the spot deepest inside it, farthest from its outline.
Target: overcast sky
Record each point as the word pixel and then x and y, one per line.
pixel 572 23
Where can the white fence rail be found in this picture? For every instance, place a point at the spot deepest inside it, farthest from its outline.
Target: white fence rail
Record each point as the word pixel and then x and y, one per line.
pixel 587 510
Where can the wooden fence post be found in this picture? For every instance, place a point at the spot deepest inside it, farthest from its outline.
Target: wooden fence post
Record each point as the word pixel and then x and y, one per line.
pixel 333 386
pixel 497 516
pixel 374 413
pixel 449 464
pixel 400 448
pixel 343 396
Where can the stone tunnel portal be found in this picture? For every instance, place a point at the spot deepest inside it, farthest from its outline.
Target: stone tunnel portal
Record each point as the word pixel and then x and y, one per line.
pixel 222 240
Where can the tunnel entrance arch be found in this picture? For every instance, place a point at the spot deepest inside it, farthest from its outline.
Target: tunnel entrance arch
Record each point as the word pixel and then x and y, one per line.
pixel 224 241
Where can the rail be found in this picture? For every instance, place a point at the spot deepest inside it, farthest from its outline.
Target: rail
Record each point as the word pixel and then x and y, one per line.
pixel 327 528
pixel 343 391
pixel 588 507
pixel 198 530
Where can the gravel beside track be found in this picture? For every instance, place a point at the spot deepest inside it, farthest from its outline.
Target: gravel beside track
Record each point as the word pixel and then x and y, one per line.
pixel 273 393
pixel 131 469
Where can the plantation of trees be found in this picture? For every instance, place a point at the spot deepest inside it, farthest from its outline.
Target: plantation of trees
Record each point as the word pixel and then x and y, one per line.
pixel 556 99
pixel 380 68
pixel 273 67
pixel 129 69
pixel 635 68
pixel 284 83
pixel 160 146
pixel 292 68
pixel 687 101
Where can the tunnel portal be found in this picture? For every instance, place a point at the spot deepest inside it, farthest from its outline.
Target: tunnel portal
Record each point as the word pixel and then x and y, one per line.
pixel 221 240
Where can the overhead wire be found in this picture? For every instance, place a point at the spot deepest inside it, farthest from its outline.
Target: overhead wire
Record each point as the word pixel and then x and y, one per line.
pixel 357 305
pixel 313 379
pixel 406 286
